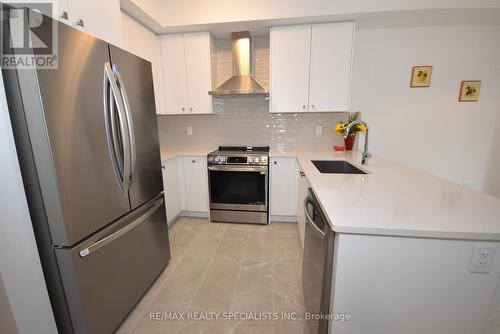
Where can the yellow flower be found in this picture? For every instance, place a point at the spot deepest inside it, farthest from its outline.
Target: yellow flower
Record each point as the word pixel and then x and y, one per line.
pixel 340 128
pixel 362 127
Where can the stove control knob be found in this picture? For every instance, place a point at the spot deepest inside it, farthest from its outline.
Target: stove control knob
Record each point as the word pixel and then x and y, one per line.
pixel 250 160
pixel 210 159
pixel 223 160
pixel 256 160
pixel 217 159
pixel 263 160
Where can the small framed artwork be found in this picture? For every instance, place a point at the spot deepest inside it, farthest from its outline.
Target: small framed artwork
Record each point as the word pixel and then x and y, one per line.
pixel 421 76
pixel 469 91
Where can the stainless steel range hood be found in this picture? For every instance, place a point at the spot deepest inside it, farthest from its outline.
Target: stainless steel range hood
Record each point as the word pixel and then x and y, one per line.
pixel 242 81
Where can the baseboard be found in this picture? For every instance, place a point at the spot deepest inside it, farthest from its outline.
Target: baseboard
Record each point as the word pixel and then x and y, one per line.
pixel 283 219
pixel 174 220
pixel 194 214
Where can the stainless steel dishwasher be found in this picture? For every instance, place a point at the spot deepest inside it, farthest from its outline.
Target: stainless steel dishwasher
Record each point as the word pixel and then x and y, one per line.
pixel 317 266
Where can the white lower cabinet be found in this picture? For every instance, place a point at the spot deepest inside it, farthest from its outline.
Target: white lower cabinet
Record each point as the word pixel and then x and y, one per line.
pixel 172 188
pixel 185 181
pixel 283 187
pixel 195 183
pixel 302 192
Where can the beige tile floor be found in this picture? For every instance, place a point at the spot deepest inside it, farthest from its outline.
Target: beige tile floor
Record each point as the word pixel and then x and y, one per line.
pixel 220 268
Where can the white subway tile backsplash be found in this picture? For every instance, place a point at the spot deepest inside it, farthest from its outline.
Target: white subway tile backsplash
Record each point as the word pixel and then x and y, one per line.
pixel 246 120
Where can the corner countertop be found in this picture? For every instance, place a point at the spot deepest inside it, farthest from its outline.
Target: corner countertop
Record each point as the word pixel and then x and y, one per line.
pixel 392 199
pixel 193 152
pixel 397 200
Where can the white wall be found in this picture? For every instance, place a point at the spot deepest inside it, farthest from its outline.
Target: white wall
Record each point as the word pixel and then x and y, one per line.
pixel 427 127
pixel 20 266
pixel 143 42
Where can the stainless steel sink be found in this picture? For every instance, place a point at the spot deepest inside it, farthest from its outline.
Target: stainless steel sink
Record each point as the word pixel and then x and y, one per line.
pixel 336 167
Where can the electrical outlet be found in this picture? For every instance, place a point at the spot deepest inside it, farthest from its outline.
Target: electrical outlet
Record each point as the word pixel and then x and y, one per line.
pixel 319 130
pixel 482 259
pixel 189 131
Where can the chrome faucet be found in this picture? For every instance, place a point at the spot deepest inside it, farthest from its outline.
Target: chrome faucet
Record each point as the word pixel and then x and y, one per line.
pixel 366 155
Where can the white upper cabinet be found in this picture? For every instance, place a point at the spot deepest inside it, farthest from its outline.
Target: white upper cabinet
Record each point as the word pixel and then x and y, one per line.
pixel 198 72
pixel 187 73
pixel 290 58
pixel 331 50
pixel 311 67
pixel 101 19
pixel 174 74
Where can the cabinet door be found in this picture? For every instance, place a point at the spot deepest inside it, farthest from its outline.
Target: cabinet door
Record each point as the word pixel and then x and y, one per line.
pixel 302 191
pixel 198 72
pixel 174 74
pixel 331 53
pixel 290 57
pixel 172 186
pixel 283 180
pixel 101 19
pixel 195 184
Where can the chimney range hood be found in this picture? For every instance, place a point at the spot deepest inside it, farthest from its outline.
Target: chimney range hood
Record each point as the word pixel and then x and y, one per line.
pixel 242 81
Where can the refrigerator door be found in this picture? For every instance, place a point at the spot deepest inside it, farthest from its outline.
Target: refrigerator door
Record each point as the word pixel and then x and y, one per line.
pixel 106 275
pixel 136 85
pixel 65 114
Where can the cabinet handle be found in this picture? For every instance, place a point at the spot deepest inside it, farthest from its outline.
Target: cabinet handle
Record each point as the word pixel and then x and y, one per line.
pixel 313 106
pixel 193 161
pixel 190 108
pixel 302 174
pixel 275 162
pixel 183 108
pixel 80 23
pixel 63 15
pixel 303 106
pixel 163 167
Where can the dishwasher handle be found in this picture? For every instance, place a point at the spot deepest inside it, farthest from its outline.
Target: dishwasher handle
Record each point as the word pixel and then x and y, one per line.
pixel 309 219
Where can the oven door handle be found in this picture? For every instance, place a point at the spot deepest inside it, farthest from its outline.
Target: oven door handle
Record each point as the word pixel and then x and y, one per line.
pixel 262 169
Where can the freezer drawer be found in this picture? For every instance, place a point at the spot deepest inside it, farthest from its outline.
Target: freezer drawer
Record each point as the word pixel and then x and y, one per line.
pixel 106 275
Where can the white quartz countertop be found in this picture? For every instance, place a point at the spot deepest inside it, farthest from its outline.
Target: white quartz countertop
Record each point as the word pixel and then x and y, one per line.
pixel 193 152
pixel 392 199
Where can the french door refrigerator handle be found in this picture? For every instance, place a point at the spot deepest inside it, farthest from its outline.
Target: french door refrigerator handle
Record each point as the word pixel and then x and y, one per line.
pixel 110 76
pixel 110 238
pixel 130 124
pixel 110 126
pixel 309 219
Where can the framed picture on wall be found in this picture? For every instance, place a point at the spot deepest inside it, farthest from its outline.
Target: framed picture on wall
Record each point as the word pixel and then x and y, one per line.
pixel 469 91
pixel 421 76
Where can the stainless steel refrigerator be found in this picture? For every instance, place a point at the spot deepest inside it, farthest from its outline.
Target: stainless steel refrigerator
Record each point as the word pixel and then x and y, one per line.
pixel 87 140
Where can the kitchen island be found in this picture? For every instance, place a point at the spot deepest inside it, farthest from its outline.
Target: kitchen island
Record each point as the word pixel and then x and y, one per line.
pixel 406 248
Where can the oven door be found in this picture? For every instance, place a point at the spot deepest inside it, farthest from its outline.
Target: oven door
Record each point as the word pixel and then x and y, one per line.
pixel 238 187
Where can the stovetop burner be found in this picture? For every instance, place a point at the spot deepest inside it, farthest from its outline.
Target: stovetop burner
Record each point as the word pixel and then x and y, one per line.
pixel 240 155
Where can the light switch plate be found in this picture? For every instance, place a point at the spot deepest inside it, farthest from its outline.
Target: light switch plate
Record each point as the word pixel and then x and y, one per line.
pixel 482 259
pixel 189 131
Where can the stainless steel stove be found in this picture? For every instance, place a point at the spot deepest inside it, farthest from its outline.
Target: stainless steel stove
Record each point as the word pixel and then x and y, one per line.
pixel 238 178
